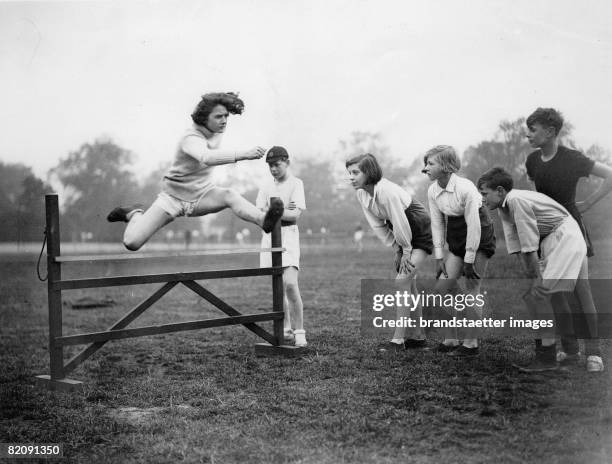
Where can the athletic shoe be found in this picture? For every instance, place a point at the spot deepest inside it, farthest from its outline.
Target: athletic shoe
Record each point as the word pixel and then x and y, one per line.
pixel 538 365
pixel 595 364
pixel 288 336
pixel 391 346
pixel 413 344
pixel 442 348
pixel 120 213
pixel 568 359
pixel 462 351
pixel 300 337
pixel 273 214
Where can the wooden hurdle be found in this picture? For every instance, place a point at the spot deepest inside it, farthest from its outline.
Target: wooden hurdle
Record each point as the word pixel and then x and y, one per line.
pixel 56 285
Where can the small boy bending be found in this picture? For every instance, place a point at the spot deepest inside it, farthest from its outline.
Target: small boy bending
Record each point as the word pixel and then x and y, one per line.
pixel 533 221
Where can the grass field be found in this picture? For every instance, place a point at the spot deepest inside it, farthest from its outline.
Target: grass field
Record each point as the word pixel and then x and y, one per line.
pixel 203 396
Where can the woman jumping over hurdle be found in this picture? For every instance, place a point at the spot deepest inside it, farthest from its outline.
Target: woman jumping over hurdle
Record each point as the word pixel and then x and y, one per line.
pixel 459 219
pixel 187 188
pixel 399 221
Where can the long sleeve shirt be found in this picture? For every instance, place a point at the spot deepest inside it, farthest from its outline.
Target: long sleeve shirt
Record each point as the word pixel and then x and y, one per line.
pixel 460 197
pixel 188 175
pixel 388 203
pixel 527 217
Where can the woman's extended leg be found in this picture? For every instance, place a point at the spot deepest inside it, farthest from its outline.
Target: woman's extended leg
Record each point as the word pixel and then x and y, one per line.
pixel 220 198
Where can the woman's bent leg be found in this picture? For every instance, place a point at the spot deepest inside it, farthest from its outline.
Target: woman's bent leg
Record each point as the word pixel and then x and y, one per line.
pixel 142 226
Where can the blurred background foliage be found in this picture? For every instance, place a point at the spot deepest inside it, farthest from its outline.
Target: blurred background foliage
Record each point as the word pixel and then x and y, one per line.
pixel 98 176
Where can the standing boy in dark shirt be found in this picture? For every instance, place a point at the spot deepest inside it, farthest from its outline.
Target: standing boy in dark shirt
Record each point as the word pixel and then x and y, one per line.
pixel 556 170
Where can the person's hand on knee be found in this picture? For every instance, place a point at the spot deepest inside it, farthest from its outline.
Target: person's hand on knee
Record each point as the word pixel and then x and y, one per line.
pixel 406 267
pixel 441 268
pixel 470 271
pixel 398 259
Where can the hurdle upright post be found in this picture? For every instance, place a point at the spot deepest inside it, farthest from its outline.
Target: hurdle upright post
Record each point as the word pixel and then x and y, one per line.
pixel 277 284
pixel 54 269
pixel 54 273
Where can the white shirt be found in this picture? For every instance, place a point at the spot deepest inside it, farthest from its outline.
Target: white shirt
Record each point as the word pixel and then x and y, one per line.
pixel 290 189
pixel 527 217
pixel 460 197
pixel 388 203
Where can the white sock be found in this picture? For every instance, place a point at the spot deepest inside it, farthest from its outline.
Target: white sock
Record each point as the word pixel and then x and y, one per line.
pixel 450 342
pixel 130 215
pixel 398 341
pixel 470 343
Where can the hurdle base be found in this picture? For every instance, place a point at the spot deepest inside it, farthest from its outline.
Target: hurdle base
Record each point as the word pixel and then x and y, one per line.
pixel 67 385
pixel 289 351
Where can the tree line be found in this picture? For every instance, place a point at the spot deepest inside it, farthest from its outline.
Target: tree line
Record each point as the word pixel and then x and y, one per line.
pixel 98 176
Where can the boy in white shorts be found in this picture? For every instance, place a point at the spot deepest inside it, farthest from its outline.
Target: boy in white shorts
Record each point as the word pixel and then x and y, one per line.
pixel 187 188
pixel 532 221
pixel 290 189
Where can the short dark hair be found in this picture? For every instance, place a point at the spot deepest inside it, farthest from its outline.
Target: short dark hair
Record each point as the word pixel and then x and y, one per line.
pixel 496 177
pixel 230 100
pixel 277 153
pixel 546 117
pixel 368 165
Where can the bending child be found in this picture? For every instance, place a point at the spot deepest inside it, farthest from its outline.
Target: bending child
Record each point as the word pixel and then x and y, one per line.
pixel 459 219
pixel 290 189
pixel 187 188
pixel 400 222
pixel 533 221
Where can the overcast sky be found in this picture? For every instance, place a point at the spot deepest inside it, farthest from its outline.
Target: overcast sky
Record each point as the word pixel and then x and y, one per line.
pixel 310 72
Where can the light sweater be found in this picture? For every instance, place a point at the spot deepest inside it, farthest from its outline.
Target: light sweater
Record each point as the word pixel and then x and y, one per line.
pixel 189 177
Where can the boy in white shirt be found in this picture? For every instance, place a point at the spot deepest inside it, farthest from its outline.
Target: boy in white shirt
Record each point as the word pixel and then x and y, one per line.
pixel 533 221
pixel 290 190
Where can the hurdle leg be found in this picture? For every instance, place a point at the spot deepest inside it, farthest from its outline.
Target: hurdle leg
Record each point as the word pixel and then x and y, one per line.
pixel 56 380
pixel 263 349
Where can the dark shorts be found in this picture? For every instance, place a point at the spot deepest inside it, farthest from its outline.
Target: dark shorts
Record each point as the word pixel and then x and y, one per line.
pixel 585 233
pixel 456 233
pixel 420 226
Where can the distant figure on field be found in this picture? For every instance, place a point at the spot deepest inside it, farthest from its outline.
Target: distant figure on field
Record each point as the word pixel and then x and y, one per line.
pixel 358 238
pixel 187 238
